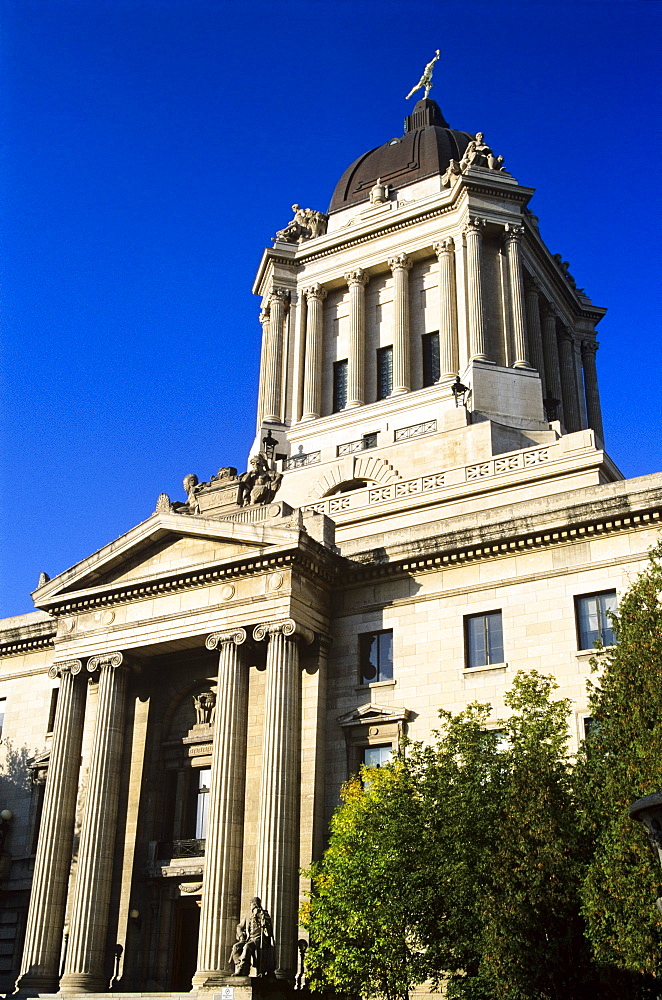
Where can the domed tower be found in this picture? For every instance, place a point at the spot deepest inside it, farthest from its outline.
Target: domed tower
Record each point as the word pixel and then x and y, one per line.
pixel 421 326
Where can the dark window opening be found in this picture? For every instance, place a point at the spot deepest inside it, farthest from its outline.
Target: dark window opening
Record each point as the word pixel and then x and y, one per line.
pixel 52 710
pixel 431 362
pixel 376 656
pixel 384 372
pixel 484 639
pixel 339 385
pixel 593 622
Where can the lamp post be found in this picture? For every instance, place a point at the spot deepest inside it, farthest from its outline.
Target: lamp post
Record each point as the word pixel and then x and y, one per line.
pixel 269 445
pixel 648 811
pixel 461 393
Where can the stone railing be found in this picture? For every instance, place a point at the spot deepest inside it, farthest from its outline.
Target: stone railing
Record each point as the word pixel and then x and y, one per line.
pixel 367 441
pixel 416 430
pixel 299 461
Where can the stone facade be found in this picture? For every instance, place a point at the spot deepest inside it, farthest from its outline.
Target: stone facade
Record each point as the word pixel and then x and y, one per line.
pixel 184 704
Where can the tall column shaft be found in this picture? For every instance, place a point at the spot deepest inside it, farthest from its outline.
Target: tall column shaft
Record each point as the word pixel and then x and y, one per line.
pixel 357 281
pixel 569 382
pixel 312 378
pixel 277 868
pixel 593 408
pixel 551 356
pixel 448 352
pixel 273 357
pixel 400 267
pixel 512 238
pixel 221 894
pixel 474 237
pixel 40 967
pixel 265 321
pixel 85 967
pixel 535 333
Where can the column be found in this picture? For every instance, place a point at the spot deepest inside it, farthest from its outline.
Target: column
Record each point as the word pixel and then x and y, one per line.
pixel 277 863
pixel 594 410
pixel 357 281
pixel 551 355
pixel 312 378
pixel 400 267
pixel 535 332
pixel 273 356
pixel 86 963
pixel 569 381
pixel 448 353
pixel 40 967
pixel 264 321
pixel 474 236
pixel 221 894
pixel 512 238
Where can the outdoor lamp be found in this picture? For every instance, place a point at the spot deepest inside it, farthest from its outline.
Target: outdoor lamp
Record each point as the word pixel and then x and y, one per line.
pixel 648 810
pixel 269 443
pixel 460 392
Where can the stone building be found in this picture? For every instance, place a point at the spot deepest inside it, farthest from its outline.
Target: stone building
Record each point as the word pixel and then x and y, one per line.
pixel 428 508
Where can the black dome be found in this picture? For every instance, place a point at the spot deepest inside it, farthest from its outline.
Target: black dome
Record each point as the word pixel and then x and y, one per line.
pixel 426 148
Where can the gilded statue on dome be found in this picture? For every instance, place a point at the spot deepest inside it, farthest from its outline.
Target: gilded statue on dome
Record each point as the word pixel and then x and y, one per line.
pixel 426 79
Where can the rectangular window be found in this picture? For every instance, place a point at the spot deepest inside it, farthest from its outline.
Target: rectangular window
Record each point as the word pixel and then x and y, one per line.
pixel 203 804
pixel 384 372
pixel 377 756
pixel 376 653
pixel 339 385
pixel 484 639
pixel 52 709
pixel 593 622
pixel 3 705
pixel 431 363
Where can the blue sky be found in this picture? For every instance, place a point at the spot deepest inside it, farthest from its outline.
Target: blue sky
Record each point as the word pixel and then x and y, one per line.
pixel 151 148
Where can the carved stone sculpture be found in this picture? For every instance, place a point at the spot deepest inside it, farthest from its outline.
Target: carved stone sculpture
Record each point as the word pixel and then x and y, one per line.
pixel 163 504
pixel 258 951
pixel 479 154
pixel 190 484
pixel 306 225
pixel 259 484
pixel 238 950
pixel 204 707
pixel 226 473
pixel 43 578
pixel 426 79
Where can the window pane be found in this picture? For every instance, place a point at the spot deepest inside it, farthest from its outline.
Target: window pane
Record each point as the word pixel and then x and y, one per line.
pixel 384 372
pixel 592 619
pixel 203 804
pixel 386 656
pixel 369 657
pixel 377 756
pixel 431 369
pixel 494 637
pixel 476 647
pixel 339 385
pixel 3 702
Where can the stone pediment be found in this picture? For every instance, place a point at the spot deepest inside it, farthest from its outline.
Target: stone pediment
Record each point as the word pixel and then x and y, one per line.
pixel 371 714
pixel 165 543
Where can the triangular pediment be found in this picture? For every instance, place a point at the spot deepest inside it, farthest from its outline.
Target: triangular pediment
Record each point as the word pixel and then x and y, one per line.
pixel 372 714
pixel 164 544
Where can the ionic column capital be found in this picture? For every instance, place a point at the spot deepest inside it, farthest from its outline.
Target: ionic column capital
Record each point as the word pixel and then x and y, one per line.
pixel 315 292
pixel 550 311
pixel 265 315
pixel 512 233
pixel 358 277
pixel 475 226
pixel 216 639
pixel 566 335
pixel 111 660
pixel 446 246
pixel 400 263
pixel 287 627
pixel 589 347
pixel 532 286
pixel 65 667
pixel 279 295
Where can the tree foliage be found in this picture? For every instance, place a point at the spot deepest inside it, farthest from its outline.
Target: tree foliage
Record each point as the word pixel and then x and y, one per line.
pixel 621 761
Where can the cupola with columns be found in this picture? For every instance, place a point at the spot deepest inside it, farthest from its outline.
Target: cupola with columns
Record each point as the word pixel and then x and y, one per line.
pixel 425 304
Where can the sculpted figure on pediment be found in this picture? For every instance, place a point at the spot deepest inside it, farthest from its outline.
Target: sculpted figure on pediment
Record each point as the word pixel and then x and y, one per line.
pixel 306 225
pixel 259 484
pixel 479 154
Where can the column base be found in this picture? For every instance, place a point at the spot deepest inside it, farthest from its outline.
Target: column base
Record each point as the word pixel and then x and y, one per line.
pixel 523 364
pixel 32 983
pixel 353 403
pixel 83 982
pixel 400 391
pixel 309 416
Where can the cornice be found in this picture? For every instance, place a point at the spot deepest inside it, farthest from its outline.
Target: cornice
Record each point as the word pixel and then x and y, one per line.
pixel 309 557
pixel 435 553
pixel 27 644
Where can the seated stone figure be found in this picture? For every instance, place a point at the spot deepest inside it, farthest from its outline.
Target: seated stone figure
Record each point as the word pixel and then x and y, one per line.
pixel 258 950
pixel 479 154
pixel 259 484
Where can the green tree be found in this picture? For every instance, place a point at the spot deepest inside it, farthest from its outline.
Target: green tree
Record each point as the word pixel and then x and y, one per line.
pixel 361 917
pixel 533 947
pixel 621 761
